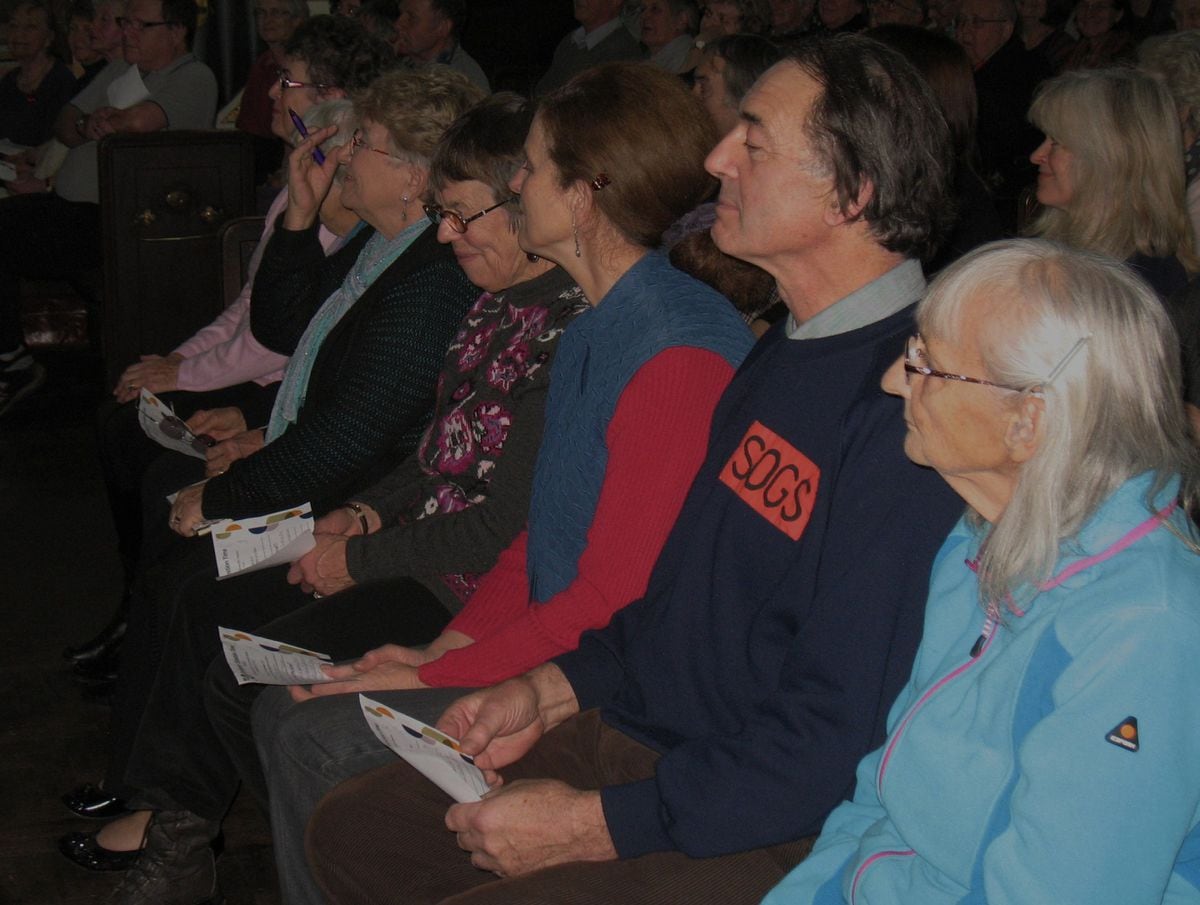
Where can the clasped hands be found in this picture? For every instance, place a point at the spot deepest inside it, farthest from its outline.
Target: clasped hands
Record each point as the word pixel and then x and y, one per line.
pixel 228 426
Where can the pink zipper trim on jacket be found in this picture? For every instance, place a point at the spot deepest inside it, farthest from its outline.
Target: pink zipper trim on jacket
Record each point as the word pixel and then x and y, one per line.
pixel 930 692
pixel 895 853
pixel 1075 568
pixel 1132 537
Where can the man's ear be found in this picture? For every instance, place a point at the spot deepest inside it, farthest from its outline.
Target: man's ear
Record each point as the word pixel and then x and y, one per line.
pixel 1024 432
pixel 836 215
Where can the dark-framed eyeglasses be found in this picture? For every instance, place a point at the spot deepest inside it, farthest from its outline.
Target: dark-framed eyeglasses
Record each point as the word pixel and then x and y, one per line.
pixel 976 22
pixel 286 81
pixel 915 362
pixel 173 426
pixel 137 26
pixel 457 221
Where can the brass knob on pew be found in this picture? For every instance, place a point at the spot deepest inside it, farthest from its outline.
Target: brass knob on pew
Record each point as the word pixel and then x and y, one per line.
pixel 209 214
pixel 145 218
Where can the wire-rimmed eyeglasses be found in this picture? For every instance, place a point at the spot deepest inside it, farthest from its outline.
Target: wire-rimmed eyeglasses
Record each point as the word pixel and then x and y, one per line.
pixel 286 81
pixel 915 363
pixel 358 143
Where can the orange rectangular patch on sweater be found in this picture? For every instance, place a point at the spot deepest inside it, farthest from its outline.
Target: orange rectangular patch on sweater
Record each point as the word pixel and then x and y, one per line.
pixel 774 479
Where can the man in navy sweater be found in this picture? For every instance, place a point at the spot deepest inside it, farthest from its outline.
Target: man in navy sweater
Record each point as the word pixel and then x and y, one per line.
pixel 689 750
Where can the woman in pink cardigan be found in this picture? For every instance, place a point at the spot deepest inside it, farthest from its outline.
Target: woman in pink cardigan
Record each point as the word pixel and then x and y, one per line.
pixel 222 365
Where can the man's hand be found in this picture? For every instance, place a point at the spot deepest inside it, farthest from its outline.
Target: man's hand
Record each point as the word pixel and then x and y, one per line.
pixel 99 123
pixel 220 424
pixel 500 724
pixel 156 373
pixel 220 457
pixel 532 824
pixel 323 568
pixel 387 668
pixel 187 510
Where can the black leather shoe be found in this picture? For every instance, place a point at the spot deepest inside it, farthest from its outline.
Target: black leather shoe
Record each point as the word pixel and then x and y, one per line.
pixel 96 672
pixel 84 850
pixel 93 803
pixel 105 645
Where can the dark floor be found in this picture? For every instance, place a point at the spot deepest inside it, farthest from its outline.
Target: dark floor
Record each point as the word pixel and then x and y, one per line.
pixel 59 580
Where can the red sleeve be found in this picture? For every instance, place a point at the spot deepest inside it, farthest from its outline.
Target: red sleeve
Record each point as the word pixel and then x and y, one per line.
pixel 502 596
pixel 656 439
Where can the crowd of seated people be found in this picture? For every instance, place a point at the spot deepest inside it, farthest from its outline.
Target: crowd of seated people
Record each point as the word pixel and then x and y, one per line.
pixel 683 590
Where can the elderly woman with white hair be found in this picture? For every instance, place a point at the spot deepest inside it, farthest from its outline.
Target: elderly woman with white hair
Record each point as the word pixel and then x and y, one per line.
pixel 1063 617
pixel 1110 172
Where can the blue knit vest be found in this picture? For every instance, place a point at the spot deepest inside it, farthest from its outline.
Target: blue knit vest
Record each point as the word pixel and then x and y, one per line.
pixel 651 308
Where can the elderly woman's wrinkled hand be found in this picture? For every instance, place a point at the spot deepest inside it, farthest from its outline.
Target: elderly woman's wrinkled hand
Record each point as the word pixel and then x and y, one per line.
pixel 220 424
pixel 308 182
pixel 157 373
pixel 225 453
pixel 323 569
pixel 187 511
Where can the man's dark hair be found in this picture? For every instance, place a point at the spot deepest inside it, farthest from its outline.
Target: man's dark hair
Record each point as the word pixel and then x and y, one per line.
pixel 878 129
pixel 181 12
pixel 340 53
pixel 454 10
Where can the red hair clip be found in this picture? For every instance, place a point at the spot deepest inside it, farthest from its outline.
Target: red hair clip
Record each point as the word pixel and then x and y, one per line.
pixel 600 182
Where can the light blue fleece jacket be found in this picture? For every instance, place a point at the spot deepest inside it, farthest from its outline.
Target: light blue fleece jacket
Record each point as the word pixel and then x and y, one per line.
pixel 1010 773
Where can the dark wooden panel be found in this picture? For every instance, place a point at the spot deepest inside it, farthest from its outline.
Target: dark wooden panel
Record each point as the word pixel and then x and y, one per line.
pixel 164 198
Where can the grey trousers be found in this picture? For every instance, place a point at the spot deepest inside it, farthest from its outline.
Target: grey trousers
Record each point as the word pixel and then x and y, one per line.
pixel 307 749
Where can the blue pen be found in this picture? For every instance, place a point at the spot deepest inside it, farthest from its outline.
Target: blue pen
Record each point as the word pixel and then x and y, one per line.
pixel 318 157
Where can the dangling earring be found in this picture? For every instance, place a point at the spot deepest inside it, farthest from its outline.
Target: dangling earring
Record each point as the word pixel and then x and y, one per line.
pixel 575 230
pixel 404 210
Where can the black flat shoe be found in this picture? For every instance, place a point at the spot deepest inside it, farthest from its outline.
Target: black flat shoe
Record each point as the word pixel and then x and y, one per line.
pixel 84 850
pixel 93 803
pixel 91 673
pixel 104 646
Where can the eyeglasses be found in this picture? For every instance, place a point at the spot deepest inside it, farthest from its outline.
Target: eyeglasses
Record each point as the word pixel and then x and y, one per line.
pixel 172 426
pixel 358 142
pixel 457 221
pixel 914 353
pixel 978 22
pixel 137 26
pixel 286 81
pixel 914 358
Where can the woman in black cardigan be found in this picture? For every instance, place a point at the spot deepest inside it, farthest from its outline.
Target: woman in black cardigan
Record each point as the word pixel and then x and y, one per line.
pixel 367 331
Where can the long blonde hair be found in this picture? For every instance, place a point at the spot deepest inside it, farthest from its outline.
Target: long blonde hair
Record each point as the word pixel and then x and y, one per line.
pixel 1129 186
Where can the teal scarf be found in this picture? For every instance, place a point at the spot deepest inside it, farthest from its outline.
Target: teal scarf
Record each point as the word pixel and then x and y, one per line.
pixel 377 256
